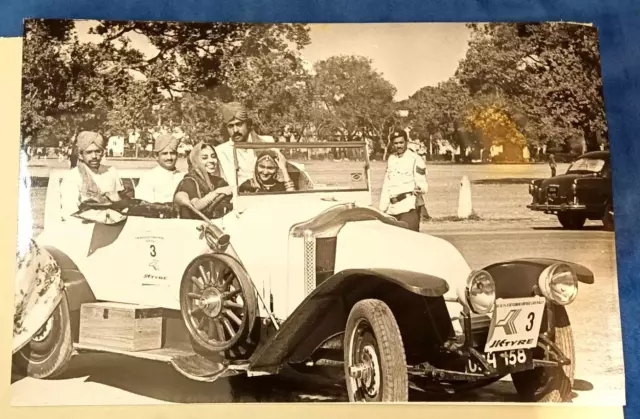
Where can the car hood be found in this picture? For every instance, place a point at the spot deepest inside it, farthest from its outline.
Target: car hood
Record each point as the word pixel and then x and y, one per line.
pixel 373 244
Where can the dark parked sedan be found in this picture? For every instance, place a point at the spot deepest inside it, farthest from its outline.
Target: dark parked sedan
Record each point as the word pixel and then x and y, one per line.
pixel 584 192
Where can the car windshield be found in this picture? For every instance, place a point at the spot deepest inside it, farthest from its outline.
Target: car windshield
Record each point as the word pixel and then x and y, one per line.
pixel 586 165
pixel 310 167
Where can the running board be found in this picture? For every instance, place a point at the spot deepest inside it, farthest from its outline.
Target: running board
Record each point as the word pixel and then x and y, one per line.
pixel 183 360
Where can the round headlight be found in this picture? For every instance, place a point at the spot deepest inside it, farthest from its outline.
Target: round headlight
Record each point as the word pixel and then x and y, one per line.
pixel 559 283
pixel 481 292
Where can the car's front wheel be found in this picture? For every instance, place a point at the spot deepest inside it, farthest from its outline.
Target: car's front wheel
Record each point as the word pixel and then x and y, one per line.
pixel 550 384
pixel 49 351
pixel 374 358
pixel 571 221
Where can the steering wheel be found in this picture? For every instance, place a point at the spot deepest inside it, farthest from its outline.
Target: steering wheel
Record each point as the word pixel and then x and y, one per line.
pixel 220 206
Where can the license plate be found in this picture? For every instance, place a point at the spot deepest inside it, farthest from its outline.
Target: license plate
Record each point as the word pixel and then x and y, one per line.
pixel 503 362
pixel 515 324
pixel 552 191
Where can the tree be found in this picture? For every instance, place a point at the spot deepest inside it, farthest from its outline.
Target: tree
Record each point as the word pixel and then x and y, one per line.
pixel 43 92
pixel 441 110
pixel 550 71
pixel 351 98
pixel 84 86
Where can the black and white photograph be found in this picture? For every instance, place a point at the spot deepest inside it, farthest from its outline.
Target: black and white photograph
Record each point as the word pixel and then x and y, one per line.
pixel 232 212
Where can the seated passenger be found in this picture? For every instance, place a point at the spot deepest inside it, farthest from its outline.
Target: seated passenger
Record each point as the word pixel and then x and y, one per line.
pixel 159 184
pixel 265 174
pixel 89 180
pixel 202 184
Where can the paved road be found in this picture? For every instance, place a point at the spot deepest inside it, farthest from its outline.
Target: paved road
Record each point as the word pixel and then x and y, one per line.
pixel 110 379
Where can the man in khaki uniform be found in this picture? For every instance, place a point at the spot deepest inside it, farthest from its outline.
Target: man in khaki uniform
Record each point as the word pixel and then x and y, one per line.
pixel 405 184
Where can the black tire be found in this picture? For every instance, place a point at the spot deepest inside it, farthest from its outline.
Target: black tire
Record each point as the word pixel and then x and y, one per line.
pixel 49 357
pixel 607 219
pixel 230 323
pixel 372 334
pixel 572 221
pixel 550 384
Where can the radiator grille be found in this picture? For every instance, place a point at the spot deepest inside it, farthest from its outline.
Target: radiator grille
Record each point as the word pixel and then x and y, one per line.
pixel 309 263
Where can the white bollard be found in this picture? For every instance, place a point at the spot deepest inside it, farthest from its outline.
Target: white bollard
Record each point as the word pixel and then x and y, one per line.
pixel 465 208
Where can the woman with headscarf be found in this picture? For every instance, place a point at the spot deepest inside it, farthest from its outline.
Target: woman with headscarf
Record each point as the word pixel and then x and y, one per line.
pixel 202 184
pixel 270 165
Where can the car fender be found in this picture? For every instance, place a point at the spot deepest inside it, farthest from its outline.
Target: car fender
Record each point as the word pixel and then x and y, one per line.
pixel 323 313
pixel 518 277
pixel 77 288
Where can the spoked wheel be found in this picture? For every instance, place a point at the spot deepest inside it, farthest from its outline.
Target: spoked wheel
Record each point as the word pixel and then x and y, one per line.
pixel 374 358
pixel 218 303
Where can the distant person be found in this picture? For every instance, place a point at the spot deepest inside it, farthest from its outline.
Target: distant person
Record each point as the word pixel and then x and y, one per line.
pixel 404 182
pixel 202 184
pixel 89 180
pixel 73 155
pixel 159 184
pixel 237 127
pixel 552 165
pixel 270 165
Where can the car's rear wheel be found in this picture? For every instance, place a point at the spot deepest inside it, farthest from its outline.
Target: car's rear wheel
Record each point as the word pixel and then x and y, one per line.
pixel 607 218
pixel 219 305
pixel 571 221
pixel 374 358
pixel 48 353
pixel 550 384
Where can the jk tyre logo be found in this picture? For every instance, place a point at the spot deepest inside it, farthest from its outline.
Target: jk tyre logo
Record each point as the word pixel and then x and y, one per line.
pixel 508 323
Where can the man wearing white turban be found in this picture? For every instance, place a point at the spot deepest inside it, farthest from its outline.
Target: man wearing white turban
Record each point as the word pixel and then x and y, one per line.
pixel 89 180
pixel 159 184
pixel 237 127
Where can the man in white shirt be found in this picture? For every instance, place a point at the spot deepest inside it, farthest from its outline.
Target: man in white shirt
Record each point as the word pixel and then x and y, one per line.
pixel 89 180
pixel 405 184
pixel 159 184
pixel 237 127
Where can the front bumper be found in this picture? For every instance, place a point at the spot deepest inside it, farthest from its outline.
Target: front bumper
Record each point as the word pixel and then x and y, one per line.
pixel 557 207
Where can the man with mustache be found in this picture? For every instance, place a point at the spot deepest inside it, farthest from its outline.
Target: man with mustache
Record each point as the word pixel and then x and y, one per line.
pixel 405 184
pixel 159 184
pixel 89 180
pixel 237 127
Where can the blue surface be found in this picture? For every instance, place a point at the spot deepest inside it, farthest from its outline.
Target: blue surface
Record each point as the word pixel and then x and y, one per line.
pixel 618 23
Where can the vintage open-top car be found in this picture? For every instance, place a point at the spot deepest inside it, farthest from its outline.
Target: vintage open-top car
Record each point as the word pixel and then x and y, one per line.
pixel 294 278
pixel 584 192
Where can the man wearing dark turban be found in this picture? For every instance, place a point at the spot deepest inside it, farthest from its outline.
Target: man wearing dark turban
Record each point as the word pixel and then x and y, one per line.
pixel 89 180
pixel 237 127
pixel 159 184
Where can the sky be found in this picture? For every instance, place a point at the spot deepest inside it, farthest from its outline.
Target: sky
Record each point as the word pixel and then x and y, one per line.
pixel 409 55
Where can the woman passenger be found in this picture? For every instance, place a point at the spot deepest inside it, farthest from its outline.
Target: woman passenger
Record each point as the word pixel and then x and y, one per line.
pixel 202 184
pixel 269 165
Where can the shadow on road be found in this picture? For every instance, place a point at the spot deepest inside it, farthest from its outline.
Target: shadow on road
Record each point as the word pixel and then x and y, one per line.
pixel 160 381
pixel 560 228
pixel 504 181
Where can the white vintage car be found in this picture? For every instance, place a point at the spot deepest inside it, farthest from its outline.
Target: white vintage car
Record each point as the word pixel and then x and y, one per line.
pixel 295 278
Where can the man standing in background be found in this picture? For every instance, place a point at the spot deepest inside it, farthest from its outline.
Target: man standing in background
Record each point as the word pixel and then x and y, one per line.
pixel 405 184
pixel 237 127
pixel 552 164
